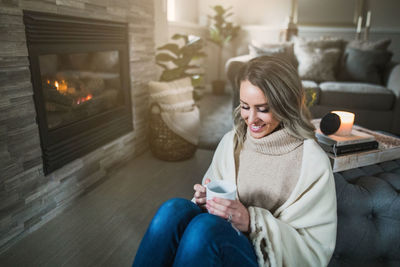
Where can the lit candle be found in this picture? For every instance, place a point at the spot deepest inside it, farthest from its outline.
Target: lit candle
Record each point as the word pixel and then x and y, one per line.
pixel 367 23
pixel 346 122
pixel 359 24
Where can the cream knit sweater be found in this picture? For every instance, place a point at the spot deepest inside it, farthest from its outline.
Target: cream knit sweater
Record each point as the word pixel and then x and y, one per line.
pixel 300 232
pixel 269 168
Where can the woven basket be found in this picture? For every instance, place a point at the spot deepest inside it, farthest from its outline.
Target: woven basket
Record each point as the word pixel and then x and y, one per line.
pixel 165 144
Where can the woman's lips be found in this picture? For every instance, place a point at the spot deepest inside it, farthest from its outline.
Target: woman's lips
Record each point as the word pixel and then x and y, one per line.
pixel 256 128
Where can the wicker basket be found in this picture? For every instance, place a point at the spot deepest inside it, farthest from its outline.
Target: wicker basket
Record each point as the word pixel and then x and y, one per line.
pixel 164 143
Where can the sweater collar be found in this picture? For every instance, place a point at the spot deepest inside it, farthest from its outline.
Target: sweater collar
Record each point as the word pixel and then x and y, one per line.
pixel 276 143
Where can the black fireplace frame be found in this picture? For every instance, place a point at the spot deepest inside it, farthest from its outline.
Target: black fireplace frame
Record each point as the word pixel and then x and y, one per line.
pixel 51 34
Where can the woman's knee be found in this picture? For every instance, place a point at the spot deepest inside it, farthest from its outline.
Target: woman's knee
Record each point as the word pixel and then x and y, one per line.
pixel 172 212
pixel 207 227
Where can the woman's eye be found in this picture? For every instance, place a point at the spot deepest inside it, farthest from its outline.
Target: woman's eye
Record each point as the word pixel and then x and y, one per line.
pixel 245 107
pixel 263 110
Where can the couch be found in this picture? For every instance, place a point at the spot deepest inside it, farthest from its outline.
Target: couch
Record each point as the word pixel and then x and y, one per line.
pixel 368 208
pixel 353 76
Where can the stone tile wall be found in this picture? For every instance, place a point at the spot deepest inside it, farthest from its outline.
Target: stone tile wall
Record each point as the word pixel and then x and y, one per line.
pixel 28 199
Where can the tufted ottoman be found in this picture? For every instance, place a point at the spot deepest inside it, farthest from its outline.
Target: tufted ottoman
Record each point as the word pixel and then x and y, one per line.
pixel 368 216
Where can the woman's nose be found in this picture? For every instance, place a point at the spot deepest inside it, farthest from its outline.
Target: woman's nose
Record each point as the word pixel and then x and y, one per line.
pixel 252 116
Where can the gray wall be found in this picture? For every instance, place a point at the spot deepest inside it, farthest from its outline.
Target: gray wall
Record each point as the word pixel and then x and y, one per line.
pixel 28 198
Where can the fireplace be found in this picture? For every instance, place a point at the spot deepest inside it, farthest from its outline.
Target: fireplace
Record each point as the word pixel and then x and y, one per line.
pixel 80 76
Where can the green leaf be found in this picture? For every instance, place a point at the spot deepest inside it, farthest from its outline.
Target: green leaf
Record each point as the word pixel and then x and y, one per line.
pixel 178 36
pixel 164 57
pixel 172 74
pixel 162 65
pixel 174 48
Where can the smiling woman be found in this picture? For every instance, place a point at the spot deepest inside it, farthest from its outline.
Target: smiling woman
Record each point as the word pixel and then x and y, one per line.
pixel 285 209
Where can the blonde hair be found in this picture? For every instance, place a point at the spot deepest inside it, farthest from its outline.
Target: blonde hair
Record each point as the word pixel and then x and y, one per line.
pixel 282 87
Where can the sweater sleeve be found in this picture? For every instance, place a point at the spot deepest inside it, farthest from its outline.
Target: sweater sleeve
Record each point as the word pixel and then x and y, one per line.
pixel 303 233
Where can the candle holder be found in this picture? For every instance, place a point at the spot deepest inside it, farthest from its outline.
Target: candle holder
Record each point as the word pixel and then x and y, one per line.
pixel 346 122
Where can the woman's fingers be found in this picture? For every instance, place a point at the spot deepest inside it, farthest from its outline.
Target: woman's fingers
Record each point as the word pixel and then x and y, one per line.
pixel 199 188
pixel 221 207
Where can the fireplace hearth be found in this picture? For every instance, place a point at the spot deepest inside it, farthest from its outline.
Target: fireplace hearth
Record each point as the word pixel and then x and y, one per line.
pixel 80 76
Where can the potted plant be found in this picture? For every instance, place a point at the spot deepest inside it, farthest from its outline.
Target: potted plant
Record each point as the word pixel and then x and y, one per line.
pixel 177 61
pixel 221 33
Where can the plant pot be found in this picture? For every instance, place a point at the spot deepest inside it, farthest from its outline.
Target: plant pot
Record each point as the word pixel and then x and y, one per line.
pixel 218 87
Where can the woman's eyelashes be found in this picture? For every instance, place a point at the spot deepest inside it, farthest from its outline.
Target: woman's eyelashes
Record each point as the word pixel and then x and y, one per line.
pixel 259 109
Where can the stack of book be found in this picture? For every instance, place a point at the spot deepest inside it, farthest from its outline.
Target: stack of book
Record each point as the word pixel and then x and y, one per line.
pixel 357 141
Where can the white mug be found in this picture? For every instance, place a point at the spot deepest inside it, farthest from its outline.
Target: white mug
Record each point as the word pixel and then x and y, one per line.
pixel 221 189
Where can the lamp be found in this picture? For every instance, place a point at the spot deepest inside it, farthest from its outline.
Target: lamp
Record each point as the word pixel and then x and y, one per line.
pixel 338 123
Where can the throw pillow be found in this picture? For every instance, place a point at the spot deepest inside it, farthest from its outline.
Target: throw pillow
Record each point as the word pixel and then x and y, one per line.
pixel 283 50
pixel 318 58
pixel 317 64
pixel 364 65
pixel 322 43
pixel 370 45
pixel 173 96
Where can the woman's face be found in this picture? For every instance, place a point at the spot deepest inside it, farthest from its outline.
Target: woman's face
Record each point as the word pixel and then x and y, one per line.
pixel 255 111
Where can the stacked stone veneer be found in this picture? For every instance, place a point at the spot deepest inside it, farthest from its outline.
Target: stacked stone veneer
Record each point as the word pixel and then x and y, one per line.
pixel 28 199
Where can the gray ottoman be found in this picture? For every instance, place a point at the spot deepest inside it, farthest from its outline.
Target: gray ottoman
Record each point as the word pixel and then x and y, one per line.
pixel 368 216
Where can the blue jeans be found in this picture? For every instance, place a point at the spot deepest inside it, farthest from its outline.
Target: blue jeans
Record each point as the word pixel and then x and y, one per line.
pixel 181 234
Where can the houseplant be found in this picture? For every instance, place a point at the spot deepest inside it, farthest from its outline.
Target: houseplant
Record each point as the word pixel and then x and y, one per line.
pixel 180 61
pixel 221 33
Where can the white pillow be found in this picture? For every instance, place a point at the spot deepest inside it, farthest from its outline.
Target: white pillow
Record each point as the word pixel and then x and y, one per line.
pixel 172 96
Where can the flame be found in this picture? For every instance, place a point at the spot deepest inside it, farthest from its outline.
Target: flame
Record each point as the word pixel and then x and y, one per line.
pixel 84 99
pixel 62 86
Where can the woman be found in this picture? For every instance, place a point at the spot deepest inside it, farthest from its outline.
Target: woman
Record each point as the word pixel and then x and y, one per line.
pixel 285 212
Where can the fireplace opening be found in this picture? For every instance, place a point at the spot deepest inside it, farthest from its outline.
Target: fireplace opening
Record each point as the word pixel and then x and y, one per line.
pixel 80 77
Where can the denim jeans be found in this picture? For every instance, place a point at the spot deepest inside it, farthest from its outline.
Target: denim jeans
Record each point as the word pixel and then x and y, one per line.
pixel 181 234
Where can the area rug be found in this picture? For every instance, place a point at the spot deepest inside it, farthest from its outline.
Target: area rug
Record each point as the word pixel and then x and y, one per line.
pixel 215 118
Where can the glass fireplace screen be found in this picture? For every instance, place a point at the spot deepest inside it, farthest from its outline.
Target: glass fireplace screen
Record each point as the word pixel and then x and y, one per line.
pixel 77 86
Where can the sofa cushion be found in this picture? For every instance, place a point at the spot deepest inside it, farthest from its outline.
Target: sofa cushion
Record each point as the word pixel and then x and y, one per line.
pixel 364 65
pixel 356 96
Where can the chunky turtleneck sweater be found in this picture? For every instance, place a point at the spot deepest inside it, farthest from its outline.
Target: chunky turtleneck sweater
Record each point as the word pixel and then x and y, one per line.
pixel 268 169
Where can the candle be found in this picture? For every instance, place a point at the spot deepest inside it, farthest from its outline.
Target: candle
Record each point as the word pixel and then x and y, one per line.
pixel 346 122
pixel 367 23
pixel 359 24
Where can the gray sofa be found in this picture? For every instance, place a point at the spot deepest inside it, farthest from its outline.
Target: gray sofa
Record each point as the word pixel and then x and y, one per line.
pixel 377 106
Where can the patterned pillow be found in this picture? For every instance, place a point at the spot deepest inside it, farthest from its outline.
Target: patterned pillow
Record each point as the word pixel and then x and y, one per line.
pixel 318 58
pixel 283 50
pixel 318 64
pixel 322 43
pixel 173 96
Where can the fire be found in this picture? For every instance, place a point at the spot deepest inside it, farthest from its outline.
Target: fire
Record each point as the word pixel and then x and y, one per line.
pixel 62 87
pixel 84 99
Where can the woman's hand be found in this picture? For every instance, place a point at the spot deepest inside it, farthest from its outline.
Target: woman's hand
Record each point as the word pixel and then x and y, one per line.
pixel 200 193
pixel 232 210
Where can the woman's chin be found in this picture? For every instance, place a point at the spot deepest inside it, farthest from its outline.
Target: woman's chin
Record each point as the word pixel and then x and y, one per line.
pixel 260 132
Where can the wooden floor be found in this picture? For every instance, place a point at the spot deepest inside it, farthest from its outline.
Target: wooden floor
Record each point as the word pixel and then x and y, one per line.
pixel 104 226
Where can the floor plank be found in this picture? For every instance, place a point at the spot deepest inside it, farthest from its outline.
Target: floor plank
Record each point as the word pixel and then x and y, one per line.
pixel 104 226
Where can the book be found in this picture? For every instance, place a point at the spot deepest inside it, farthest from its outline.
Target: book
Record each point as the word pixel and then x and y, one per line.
pixel 355 137
pixel 351 148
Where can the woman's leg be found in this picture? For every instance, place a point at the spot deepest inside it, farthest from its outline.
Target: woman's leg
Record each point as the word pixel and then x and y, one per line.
pixel 159 244
pixel 212 241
